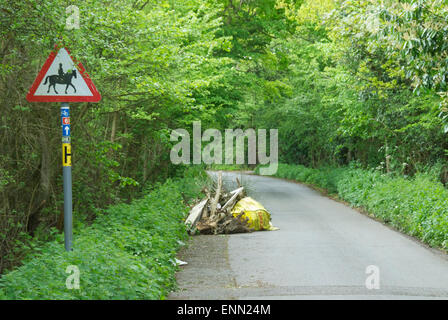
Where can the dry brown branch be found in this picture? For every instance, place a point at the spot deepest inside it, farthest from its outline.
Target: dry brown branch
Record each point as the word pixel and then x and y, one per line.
pixel 215 200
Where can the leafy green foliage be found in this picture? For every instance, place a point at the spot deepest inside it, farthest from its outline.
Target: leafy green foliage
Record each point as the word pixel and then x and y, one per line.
pixel 341 88
pixel 127 253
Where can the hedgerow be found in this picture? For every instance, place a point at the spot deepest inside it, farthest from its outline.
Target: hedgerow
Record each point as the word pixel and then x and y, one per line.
pixel 417 206
pixel 127 253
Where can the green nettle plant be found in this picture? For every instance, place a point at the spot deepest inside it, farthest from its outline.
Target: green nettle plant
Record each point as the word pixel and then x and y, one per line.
pixel 127 253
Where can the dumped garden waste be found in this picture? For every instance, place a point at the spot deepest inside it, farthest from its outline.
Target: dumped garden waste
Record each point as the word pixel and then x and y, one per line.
pixel 256 215
pixel 228 212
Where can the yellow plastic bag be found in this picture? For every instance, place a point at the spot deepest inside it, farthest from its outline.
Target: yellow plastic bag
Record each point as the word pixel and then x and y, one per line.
pixel 258 217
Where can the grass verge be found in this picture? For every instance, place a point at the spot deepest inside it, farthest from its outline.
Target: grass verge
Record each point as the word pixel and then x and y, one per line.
pixel 127 253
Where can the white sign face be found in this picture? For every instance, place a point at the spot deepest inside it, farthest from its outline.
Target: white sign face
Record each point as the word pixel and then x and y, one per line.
pixel 63 79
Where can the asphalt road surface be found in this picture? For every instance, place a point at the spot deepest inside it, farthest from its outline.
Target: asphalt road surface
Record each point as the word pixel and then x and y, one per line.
pixel 322 251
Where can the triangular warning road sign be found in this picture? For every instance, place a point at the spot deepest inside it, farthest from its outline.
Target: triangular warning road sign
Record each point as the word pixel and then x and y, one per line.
pixel 61 80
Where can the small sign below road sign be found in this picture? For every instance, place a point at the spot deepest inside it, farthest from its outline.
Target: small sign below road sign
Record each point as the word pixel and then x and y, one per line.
pixel 63 80
pixel 66 154
pixel 65 130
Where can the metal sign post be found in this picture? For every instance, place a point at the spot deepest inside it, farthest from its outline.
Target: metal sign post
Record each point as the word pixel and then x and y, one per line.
pixel 67 175
pixel 61 79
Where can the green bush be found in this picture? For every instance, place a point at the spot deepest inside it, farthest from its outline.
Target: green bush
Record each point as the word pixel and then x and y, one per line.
pixel 127 253
pixel 416 206
pixel 354 185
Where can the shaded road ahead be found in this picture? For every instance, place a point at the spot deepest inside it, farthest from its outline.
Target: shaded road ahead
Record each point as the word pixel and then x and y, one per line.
pixel 321 251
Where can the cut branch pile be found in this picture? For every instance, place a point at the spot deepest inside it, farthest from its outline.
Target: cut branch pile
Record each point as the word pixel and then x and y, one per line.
pixel 213 214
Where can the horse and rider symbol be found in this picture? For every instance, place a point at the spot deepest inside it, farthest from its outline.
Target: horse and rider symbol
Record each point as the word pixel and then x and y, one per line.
pixel 61 78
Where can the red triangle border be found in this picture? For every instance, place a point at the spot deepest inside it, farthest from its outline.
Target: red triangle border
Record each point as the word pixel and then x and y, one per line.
pixel 32 98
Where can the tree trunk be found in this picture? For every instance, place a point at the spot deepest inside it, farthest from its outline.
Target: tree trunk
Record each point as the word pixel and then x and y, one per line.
pixel 44 185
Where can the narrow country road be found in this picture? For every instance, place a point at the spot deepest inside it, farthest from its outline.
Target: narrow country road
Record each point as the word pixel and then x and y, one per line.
pixel 321 251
